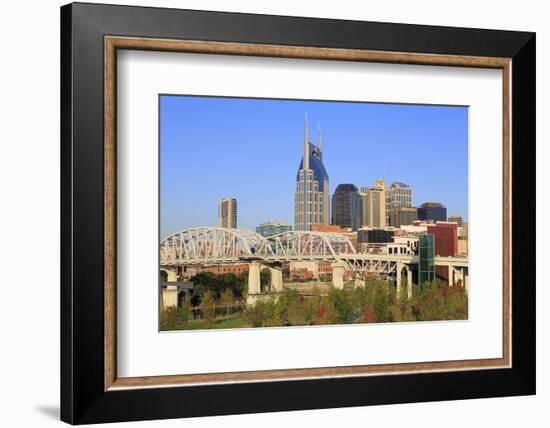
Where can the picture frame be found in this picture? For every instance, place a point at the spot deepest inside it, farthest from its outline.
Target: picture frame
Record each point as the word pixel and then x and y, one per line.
pixel 91 391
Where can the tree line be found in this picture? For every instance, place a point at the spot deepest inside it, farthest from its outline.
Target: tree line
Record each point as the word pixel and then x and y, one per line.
pixel 375 301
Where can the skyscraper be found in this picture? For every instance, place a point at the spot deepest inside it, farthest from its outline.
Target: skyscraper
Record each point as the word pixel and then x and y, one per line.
pixel 373 205
pixel 311 199
pixel 227 213
pixel 345 207
pixel 432 211
pixel 399 195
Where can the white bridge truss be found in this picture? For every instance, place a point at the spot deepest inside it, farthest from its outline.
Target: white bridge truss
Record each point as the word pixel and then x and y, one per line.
pixel 210 245
pixel 375 263
pixel 215 246
pixel 302 245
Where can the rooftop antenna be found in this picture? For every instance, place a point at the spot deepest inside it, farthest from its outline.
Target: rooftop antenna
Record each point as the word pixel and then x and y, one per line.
pixel 306 145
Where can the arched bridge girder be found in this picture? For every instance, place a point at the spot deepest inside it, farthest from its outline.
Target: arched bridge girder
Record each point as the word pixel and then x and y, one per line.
pixel 296 245
pixel 210 245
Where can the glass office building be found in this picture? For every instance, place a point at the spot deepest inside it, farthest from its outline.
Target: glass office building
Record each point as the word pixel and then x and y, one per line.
pixel 345 207
pixel 270 228
pixel 426 263
pixel 432 212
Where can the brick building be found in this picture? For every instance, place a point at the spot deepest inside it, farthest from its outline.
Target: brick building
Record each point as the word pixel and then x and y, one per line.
pixel 446 243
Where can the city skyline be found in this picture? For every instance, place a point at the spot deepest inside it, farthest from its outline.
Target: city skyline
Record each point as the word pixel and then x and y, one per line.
pixel 249 149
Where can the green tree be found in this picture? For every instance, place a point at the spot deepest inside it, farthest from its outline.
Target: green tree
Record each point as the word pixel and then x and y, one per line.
pixel 226 300
pixel 226 297
pixel 298 310
pixel 342 306
pixel 184 310
pixel 380 303
pixel 254 314
pixel 208 308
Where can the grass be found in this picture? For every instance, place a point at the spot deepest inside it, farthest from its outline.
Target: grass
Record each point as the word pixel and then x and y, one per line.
pixel 231 322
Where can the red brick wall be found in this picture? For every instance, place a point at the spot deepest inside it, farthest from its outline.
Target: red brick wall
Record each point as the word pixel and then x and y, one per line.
pixel 446 243
pixel 446 238
pixel 221 269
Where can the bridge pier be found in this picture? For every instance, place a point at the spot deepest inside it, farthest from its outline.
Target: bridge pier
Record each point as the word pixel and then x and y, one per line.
pixel 399 270
pixel 169 295
pixel 450 270
pixel 464 276
pixel 254 286
pixel 409 283
pixel 276 279
pixel 338 271
pixel 172 275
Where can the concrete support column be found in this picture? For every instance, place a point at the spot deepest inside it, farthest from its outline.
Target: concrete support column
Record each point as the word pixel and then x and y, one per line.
pixel 276 279
pixel 398 270
pixel 170 296
pixel 466 280
pixel 358 282
pixel 450 274
pixel 338 270
pixel 254 279
pixel 409 283
pixel 172 275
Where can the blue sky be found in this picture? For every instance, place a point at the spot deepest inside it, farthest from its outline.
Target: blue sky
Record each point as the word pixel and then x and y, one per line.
pixel 250 149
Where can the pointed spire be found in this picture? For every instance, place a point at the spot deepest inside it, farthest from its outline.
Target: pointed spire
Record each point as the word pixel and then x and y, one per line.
pixel 306 146
pixel 319 142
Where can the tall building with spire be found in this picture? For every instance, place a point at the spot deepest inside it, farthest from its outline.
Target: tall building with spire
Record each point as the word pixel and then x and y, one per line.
pixel 311 199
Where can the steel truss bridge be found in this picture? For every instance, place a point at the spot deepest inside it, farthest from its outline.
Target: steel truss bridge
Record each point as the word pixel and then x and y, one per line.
pixel 205 246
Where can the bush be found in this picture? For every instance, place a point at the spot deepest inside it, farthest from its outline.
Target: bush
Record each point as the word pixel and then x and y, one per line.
pixel 264 313
pixel 168 318
pixel 369 314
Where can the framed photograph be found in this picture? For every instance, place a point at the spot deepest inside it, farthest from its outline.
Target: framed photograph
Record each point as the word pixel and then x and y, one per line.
pixel 266 213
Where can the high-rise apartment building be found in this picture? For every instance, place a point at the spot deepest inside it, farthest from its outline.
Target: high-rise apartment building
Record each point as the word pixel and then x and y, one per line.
pixel 227 213
pixel 373 205
pixel 311 199
pixel 270 228
pixel 432 212
pixel 346 207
